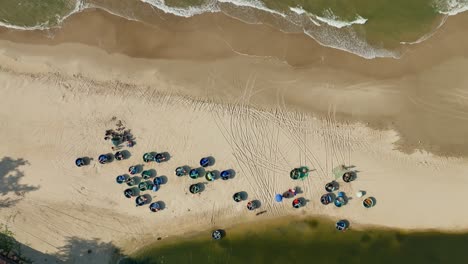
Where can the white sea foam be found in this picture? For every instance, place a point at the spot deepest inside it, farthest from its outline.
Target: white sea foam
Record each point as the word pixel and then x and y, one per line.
pixel 209 7
pixel 332 20
pixel 79 6
pixel 348 41
pixel 329 18
pixel 253 4
pixel 451 7
pixel 300 11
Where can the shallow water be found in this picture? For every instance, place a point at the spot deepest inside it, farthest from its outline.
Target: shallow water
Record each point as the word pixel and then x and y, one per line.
pixel 309 241
pixel 367 28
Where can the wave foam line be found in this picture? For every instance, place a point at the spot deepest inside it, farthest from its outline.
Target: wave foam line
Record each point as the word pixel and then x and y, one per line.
pixel 329 18
pixel 451 7
pixel 79 6
pixel 209 7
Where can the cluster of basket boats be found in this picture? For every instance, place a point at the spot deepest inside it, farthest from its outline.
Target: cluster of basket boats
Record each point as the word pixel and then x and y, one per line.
pixel 140 184
pixel 340 172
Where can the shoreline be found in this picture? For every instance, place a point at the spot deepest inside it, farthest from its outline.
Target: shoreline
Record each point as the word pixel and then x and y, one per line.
pixel 283 235
pixel 388 87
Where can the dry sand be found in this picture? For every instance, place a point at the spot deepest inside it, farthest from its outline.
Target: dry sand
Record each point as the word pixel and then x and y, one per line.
pixel 56 108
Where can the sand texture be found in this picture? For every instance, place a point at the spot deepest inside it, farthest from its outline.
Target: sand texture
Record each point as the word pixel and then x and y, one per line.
pixel 49 117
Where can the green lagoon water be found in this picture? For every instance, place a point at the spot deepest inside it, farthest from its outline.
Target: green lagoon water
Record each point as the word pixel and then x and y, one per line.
pixel 30 13
pixel 308 241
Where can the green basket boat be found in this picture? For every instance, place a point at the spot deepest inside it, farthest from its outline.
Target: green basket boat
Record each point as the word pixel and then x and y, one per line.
pixel 299 173
pixel 143 186
pixel 146 174
pixel 147 157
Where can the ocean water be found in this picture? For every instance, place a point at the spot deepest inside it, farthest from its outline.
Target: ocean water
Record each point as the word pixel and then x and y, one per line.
pixel 307 241
pixel 367 28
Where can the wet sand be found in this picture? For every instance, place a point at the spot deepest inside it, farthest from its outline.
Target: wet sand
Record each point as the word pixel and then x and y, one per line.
pixel 423 95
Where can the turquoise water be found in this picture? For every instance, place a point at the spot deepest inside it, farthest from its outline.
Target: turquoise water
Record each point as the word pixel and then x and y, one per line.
pixel 368 28
pixel 309 241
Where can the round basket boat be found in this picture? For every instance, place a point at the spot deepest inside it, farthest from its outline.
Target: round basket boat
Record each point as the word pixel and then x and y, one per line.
pixel 121 179
pixel 217 234
pixel 143 186
pixel 297 203
pixel 140 200
pixel 160 157
pixel 342 225
pixel 180 171
pixel 205 162
pixel 368 202
pixel 194 188
pixel 326 199
pixel 129 193
pixel 133 170
pixel 299 173
pixel 339 201
pixel 80 162
pixel 147 157
pixel 237 197
pixel 194 173
pixel 348 176
pixel 252 205
pixel 225 175
pixel 131 181
pixel 331 186
pixel 119 155
pixel 158 181
pixel 154 207
pixel 146 174
pixel 103 159
pixel 210 176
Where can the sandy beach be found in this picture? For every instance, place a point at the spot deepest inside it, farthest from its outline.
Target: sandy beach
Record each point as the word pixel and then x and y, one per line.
pixel 258 115
pixel 427 81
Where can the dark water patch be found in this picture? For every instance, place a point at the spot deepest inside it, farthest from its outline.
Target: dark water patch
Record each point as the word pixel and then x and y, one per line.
pixel 310 240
